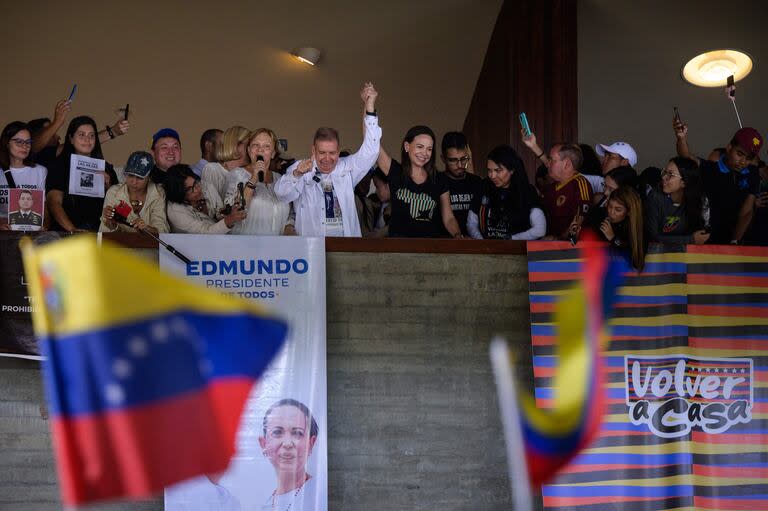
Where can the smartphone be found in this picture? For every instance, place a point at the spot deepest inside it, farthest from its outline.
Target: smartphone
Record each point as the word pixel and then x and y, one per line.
pixel 677 114
pixel 524 124
pixel 127 106
pixel 731 87
pixel 72 94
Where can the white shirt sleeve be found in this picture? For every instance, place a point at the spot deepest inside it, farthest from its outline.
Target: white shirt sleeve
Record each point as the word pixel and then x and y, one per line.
pixel 473 226
pixel 365 157
pixel 538 227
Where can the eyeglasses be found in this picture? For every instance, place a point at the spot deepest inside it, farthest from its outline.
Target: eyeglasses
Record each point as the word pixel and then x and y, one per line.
pixel 190 188
pixel 462 160
pixel 22 142
pixel 669 175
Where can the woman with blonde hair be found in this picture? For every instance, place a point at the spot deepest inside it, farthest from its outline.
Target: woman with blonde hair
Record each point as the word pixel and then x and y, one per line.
pixel 254 185
pixel 623 224
pixel 230 155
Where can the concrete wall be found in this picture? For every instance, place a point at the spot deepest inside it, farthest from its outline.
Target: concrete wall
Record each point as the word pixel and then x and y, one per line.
pixel 413 421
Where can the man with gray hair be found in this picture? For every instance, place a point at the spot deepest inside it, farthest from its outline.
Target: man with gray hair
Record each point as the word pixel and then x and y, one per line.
pixel 322 187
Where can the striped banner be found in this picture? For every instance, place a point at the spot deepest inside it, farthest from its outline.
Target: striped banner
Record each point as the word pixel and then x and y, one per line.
pixel 686 425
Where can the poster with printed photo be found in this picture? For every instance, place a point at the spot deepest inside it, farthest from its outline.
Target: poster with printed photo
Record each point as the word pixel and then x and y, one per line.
pixel 25 209
pixel 86 176
pixel 281 459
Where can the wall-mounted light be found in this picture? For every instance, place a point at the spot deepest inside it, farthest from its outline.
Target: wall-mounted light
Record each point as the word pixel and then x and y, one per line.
pixel 307 55
pixel 712 69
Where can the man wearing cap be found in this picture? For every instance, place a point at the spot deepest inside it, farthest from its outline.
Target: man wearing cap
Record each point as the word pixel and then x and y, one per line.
pixel 618 154
pixel 730 183
pixel 143 200
pixel 166 148
pixel 322 187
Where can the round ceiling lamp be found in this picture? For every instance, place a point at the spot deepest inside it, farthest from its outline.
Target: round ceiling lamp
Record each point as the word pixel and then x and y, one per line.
pixel 307 55
pixel 712 69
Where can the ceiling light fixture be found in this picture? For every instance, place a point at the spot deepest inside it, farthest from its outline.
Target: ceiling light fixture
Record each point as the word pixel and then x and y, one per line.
pixel 712 69
pixel 307 55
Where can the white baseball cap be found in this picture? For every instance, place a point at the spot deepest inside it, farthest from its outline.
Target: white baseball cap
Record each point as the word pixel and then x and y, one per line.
pixel 620 148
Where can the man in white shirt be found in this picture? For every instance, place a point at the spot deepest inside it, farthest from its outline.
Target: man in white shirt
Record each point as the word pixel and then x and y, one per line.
pixel 208 142
pixel 322 187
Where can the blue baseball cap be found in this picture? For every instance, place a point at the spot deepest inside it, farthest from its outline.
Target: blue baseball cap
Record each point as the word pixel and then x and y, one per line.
pixel 163 133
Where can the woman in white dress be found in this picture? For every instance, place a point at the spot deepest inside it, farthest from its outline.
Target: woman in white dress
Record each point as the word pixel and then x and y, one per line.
pixel 230 155
pixel 267 215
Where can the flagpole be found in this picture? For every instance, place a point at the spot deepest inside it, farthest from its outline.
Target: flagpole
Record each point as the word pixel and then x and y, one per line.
pixel 506 386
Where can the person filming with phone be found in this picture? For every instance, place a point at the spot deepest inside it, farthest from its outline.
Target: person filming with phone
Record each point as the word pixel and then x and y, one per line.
pixel 731 183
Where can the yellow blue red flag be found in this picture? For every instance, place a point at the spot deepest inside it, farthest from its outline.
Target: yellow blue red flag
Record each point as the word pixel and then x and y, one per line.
pixel 146 374
pixel 553 436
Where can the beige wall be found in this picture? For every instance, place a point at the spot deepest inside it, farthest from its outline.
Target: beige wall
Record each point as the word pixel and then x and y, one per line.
pixel 630 55
pixel 195 65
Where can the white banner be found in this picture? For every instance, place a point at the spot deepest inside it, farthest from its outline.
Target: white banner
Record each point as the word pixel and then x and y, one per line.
pixel 281 461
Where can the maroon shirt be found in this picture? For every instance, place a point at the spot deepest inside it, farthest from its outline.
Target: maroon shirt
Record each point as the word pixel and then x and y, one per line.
pixel 562 201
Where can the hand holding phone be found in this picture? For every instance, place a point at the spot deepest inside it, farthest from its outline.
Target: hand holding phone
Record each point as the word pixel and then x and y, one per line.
pixel 524 124
pixel 72 93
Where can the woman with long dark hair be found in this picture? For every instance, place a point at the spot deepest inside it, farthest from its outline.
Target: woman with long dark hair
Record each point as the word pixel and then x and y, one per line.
pixel 623 225
pixel 679 212
pixel 69 211
pixel 18 169
pixel 421 206
pixel 195 208
pixel 508 207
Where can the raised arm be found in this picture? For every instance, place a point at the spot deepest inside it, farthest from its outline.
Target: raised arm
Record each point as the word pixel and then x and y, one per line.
pixel 530 143
pixel 59 117
pixel 365 157
pixel 681 136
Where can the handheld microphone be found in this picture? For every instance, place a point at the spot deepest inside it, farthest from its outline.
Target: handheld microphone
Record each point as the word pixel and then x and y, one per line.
pixel 261 172
pixel 120 215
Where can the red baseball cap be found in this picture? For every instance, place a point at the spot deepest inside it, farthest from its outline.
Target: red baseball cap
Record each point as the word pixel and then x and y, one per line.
pixel 749 140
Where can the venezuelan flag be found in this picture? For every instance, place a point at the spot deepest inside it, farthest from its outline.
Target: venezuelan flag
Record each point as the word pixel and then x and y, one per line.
pixel 146 374
pixel 554 436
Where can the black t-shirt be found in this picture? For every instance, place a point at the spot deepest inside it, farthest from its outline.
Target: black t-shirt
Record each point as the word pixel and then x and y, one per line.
pixel 158 176
pixel 415 208
pixel 83 212
pixel 726 192
pixel 503 212
pixel 47 156
pixel 462 192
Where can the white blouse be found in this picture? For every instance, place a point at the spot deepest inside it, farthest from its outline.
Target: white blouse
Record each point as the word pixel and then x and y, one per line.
pixel 215 176
pixel 267 215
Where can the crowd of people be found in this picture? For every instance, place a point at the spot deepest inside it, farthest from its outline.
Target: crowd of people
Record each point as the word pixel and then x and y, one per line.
pixel 242 184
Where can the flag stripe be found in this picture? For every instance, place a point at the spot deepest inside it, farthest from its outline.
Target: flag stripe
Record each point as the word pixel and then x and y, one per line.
pixel 154 359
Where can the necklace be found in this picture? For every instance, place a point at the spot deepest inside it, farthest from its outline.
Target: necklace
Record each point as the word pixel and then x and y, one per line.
pixel 295 495
pixel 136 205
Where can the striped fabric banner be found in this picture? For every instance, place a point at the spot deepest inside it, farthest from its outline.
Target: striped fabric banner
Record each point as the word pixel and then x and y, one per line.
pixel 686 426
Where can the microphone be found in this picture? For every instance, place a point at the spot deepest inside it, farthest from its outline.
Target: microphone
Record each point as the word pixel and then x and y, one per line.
pixel 120 216
pixel 261 172
pixel 241 194
pixel 316 177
